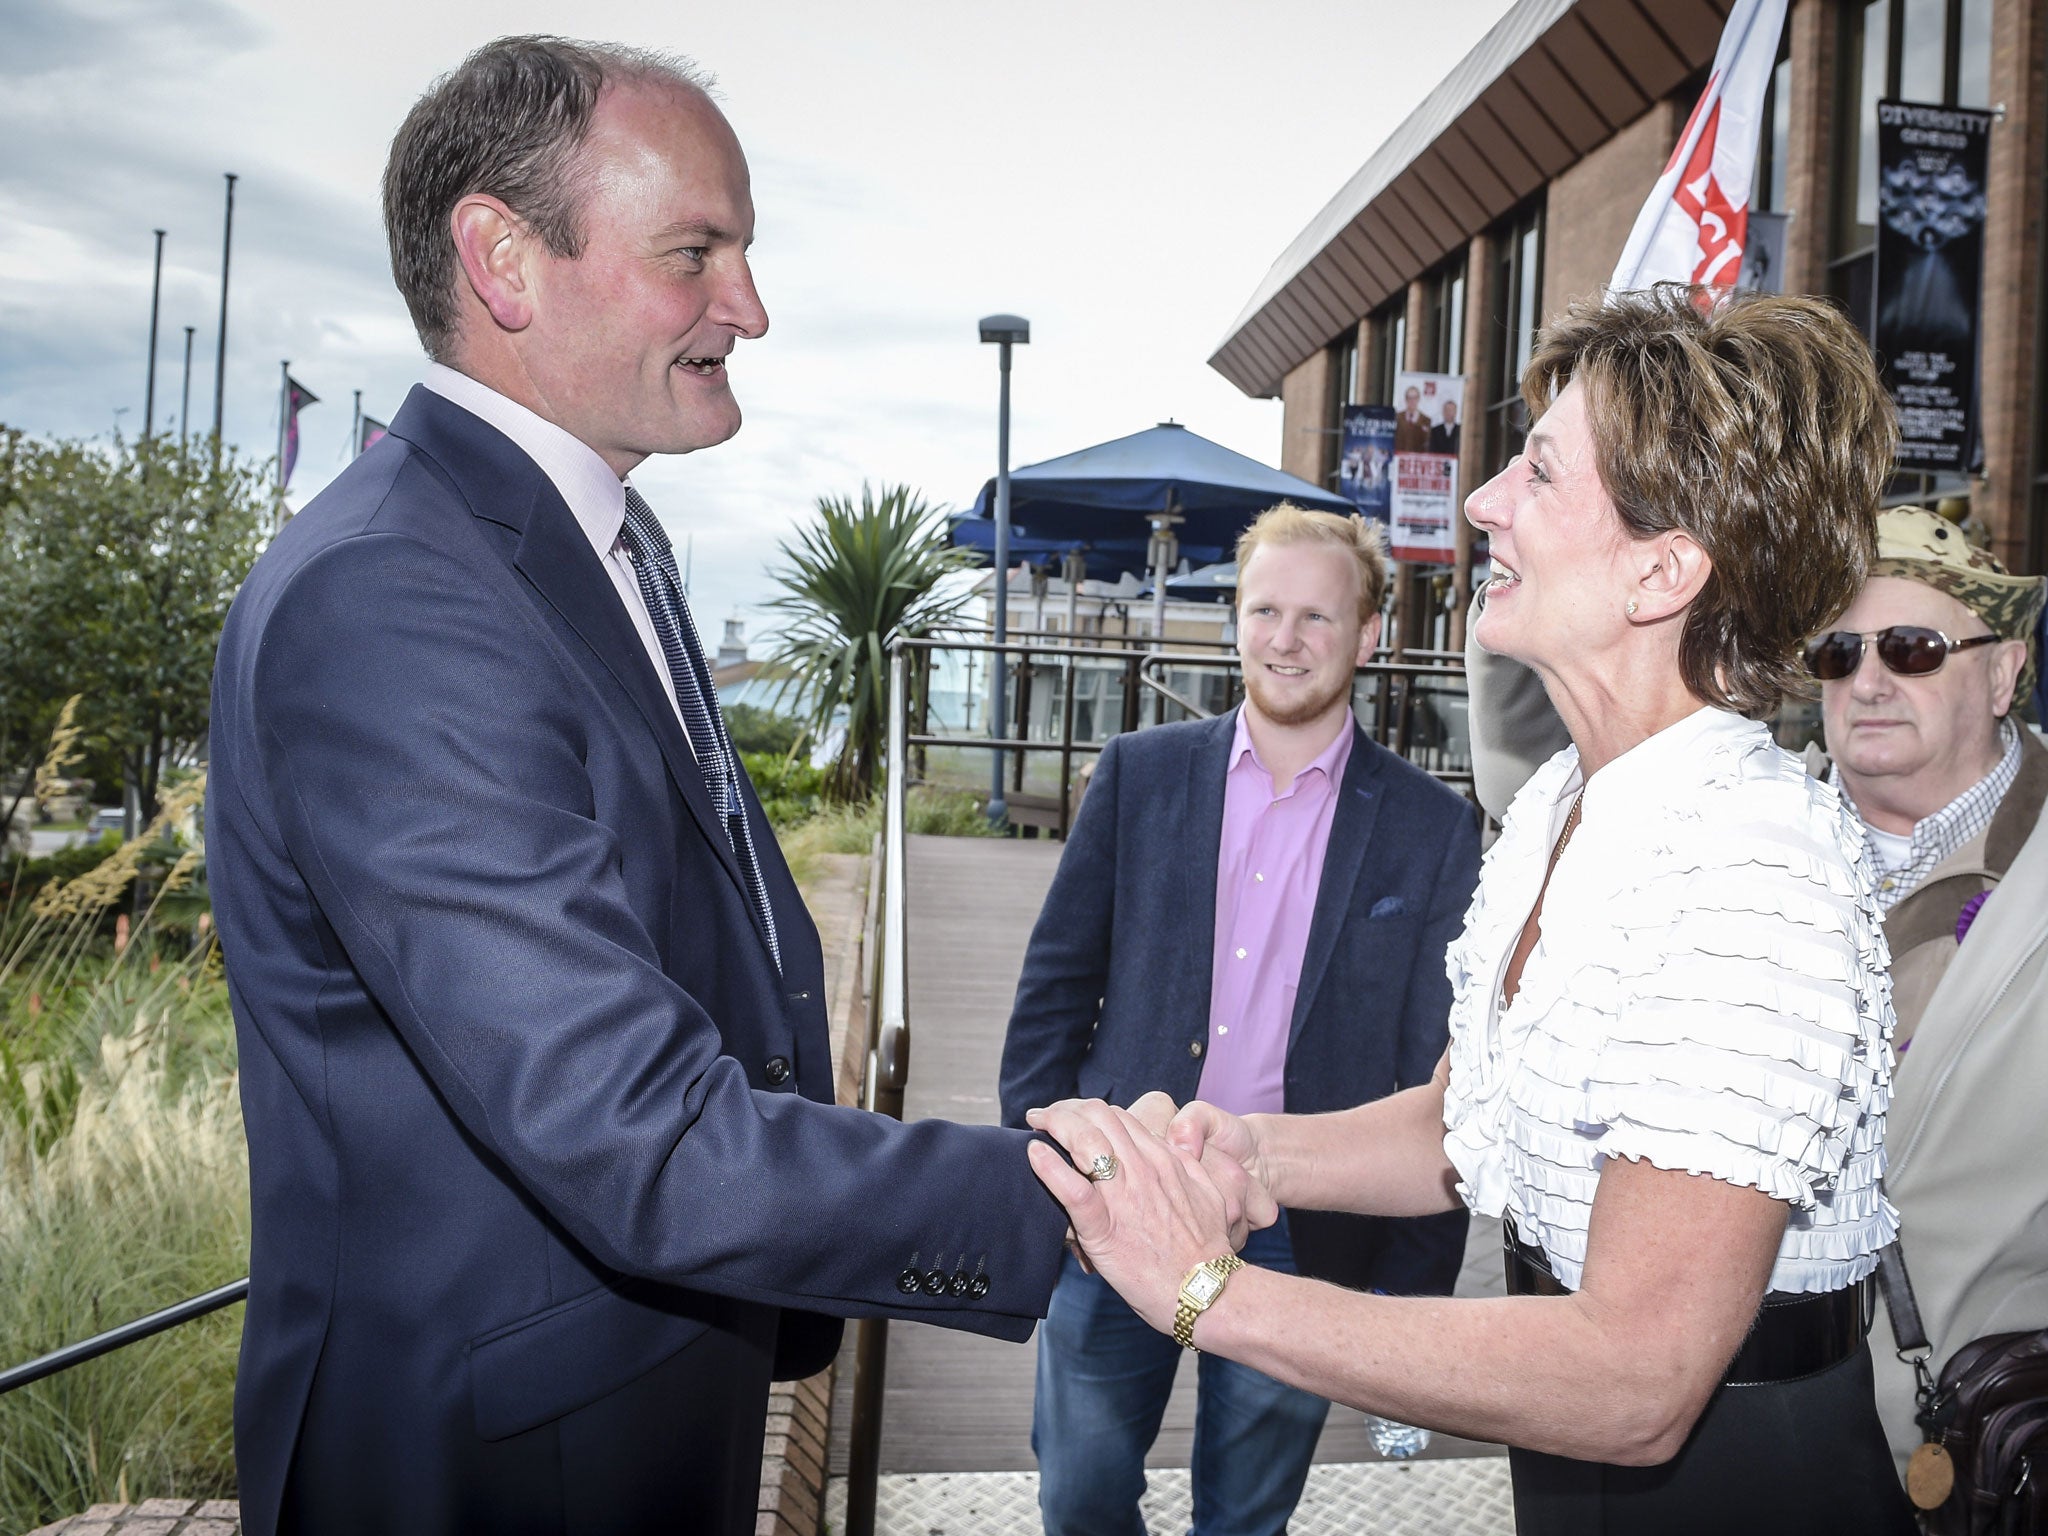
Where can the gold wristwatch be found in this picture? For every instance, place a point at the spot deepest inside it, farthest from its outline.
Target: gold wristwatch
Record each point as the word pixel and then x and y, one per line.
pixel 1198 1293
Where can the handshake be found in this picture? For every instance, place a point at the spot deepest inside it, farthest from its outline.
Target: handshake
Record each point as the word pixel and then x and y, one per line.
pixel 1151 1192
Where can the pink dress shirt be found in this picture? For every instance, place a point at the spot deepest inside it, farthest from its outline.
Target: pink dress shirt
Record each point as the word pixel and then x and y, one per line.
pixel 1268 868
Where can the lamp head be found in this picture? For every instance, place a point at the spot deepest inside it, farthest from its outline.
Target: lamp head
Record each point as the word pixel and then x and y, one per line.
pixel 1005 328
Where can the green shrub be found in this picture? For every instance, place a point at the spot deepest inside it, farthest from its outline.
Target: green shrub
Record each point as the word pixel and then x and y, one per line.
pixel 791 790
pixel 754 729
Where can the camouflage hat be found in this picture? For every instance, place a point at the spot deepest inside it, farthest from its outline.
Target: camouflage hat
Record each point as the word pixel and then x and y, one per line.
pixel 1922 546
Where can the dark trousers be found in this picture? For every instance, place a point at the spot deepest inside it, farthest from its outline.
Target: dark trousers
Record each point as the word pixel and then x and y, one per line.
pixel 1795 1458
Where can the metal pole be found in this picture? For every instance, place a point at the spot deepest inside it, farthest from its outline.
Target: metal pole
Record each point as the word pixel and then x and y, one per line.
pixel 355 430
pixel 284 410
pixel 220 354
pixel 156 294
pixel 185 398
pixel 998 807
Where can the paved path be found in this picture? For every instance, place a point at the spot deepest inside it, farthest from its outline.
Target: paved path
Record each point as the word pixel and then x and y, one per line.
pixel 956 1402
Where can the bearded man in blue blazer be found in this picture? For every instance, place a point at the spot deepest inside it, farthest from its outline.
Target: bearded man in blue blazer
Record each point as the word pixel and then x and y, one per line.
pixel 546 1179
pixel 1253 908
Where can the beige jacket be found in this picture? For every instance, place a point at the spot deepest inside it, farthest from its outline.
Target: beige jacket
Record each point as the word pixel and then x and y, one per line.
pixel 1966 1136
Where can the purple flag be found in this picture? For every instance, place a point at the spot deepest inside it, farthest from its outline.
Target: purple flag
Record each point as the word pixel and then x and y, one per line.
pixel 297 398
pixel 367 435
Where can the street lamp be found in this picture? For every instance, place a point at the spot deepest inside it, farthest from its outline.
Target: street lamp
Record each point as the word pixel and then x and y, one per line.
pixel 1006 331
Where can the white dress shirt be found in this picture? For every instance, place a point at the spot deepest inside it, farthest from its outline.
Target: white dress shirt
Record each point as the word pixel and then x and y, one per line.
pixel 595 495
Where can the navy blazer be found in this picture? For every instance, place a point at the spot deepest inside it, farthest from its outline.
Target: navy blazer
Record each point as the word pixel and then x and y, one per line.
pixel 1114 997
pixel 541 1145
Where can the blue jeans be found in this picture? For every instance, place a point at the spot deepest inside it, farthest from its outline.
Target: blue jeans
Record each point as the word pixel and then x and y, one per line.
pixel 1104 1376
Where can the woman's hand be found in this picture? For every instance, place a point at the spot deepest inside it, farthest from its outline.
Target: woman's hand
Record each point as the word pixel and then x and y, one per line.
pixel 1164 1211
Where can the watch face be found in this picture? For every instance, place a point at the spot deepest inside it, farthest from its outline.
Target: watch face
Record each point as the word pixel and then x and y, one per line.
pixel 1203 1287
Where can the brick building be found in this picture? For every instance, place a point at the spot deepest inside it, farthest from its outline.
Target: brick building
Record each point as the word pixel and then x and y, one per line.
pixel 1511 190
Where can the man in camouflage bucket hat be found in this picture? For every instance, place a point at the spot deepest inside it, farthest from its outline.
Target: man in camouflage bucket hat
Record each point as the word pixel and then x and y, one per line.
pixel 1950 786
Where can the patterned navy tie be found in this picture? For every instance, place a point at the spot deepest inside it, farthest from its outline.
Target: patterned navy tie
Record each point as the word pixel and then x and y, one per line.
pixel 654 563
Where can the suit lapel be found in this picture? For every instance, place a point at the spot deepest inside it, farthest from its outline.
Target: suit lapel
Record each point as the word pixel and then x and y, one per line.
pixel 1208 772
pixel 1358 810
pixel 503 485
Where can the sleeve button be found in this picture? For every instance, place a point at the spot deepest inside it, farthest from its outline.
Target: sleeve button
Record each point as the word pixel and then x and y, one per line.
pixel 909 1282
pixel 959 1284
pixel 978 1287
pixel 935 1282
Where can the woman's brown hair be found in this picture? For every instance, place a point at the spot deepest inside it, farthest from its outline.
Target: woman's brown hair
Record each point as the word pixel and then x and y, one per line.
pixel 1753 423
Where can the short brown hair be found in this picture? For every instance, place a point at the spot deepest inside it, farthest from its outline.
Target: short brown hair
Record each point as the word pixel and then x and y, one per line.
pixel 1289 524
pixel 1754 423
pixel 508 121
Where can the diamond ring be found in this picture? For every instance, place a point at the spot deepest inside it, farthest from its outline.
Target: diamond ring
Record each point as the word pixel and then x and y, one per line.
pixel 1104 1167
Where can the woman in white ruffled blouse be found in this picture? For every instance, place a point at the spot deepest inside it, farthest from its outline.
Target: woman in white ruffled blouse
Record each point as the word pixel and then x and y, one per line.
pixel 1669 1053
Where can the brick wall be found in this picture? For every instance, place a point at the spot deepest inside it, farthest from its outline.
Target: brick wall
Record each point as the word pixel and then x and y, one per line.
pixel 1594 204
pixel 1305 448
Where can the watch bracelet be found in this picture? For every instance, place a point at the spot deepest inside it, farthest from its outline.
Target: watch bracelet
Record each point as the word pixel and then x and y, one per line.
pixel 1186 1312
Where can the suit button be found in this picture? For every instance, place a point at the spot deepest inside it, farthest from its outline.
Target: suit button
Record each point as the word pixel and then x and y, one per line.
pixel 777 1070
pixel 909 1282
pixel 1194 1047
pixel 935 1282
pixel 978 1288
pixel 957 1286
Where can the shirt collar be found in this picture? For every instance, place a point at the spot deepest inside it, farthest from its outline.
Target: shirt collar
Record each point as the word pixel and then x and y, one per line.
pixel 1940 834
pixel 596 496
pixel 1330 762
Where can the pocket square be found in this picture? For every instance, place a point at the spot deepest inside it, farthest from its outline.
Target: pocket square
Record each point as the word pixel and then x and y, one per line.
pixel 1388 906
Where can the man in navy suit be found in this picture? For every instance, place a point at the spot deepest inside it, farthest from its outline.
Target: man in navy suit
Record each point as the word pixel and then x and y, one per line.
pixel 545 1176
pixel 1254 910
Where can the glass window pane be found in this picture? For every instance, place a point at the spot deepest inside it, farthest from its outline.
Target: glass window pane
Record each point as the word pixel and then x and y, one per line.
pixel 1525 320
pixel 1973 56
pixel 1870 90
pixel 1779 149
pixel 1923 50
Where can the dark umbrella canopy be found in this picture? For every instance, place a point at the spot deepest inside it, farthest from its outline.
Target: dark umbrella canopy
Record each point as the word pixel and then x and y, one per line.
pixel 1110 490
pixel 1210 584
pixel 1105 559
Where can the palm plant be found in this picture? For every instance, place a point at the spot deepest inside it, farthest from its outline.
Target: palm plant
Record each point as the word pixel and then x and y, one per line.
pixel 861 575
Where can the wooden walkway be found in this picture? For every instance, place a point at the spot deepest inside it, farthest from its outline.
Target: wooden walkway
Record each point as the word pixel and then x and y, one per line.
pixel 955 1402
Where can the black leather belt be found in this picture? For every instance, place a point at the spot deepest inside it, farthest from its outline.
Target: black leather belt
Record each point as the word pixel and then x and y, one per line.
pixel 1795 1333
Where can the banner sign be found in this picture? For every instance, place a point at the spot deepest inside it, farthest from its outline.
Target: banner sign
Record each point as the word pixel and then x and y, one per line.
pixel 1365 462
pixel 1931 164
pixel 1427 428
pixel 1763 256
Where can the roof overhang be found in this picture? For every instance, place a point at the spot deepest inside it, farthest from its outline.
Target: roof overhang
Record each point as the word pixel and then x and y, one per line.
pixel 1553 81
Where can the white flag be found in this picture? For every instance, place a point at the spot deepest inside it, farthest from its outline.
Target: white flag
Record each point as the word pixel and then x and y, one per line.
pixel 1693 227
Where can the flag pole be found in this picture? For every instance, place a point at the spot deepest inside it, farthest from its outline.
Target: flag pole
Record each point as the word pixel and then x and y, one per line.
pixel 156 294
pixel 284 408
pixel 185 397
pixel 355 431
pixel 220 356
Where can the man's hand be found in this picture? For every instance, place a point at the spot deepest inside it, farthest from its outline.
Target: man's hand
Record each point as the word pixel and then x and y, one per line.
pixel 1211 1133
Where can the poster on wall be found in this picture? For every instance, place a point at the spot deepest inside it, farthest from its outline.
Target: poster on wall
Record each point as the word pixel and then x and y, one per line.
pixel 1365 460
pixel 1428 412
pixel 1763 254
pixel 1931 164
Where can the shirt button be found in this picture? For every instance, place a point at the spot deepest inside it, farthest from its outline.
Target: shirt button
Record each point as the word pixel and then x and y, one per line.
pixel 1240 954
pixel 1222 1029
pixel 1260 878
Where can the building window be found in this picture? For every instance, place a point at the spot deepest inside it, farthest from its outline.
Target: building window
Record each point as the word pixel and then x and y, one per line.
pixel 1443 318
pixel 1936 52
pixel 1517 290
pixel 1389 350
pixel 1774 147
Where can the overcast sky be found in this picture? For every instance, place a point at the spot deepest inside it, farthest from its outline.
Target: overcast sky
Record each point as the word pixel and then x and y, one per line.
pixel 1121 173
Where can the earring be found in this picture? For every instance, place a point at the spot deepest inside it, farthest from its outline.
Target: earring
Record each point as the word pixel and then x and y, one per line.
pixel 1631 607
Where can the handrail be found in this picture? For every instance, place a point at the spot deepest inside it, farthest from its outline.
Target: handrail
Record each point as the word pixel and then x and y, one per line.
pixel 887 1072
pixel 126 1333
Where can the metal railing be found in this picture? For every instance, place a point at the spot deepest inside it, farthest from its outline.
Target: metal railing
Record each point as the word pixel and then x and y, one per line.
pixel 124 1334
pixel 888 1069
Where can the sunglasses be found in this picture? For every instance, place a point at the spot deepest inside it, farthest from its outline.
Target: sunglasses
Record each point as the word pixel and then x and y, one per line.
pixel 1907 649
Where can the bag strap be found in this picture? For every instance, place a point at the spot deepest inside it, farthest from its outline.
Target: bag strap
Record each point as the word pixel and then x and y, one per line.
pixel 1907 1329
